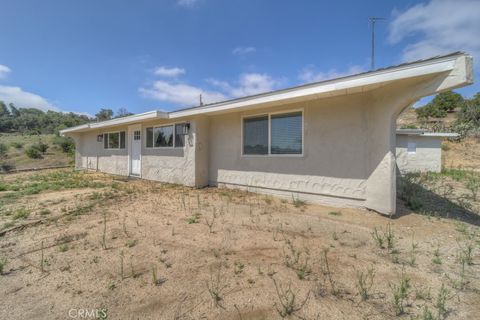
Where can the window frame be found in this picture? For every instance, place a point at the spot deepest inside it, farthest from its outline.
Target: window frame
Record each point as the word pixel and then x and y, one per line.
pixel 119 140
pixel 269 146
pixel 159 126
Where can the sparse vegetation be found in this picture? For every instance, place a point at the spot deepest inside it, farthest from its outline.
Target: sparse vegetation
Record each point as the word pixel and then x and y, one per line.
pixel 400 293
pixel 310 254
pixel 3 263
pixel 365 282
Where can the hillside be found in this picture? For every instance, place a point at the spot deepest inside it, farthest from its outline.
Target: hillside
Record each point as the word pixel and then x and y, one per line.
pixel 16 157
pixel 408 119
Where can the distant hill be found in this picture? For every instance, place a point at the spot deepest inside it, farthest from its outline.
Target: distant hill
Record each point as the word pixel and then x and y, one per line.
pixel 408 119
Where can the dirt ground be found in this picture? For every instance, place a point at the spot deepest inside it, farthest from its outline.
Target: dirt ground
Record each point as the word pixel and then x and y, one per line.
pixel 145 250
pixel 464 154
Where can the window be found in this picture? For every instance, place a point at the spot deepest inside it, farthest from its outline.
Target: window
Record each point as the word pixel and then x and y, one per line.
pixel 136 135
pixel 255 135
pixel 286 133
pixel 114 140
pixel 179 134
pixel 273 134
pixel 412 147
pixel 164 136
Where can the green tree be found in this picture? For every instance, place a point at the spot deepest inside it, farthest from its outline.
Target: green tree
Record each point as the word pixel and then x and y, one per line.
pixel 4 110
pixel 440 105
pixel 122 112
pixel 104 114
pixel 470 111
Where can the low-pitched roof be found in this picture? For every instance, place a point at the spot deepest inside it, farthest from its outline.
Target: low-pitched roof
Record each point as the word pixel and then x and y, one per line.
pixel 343 85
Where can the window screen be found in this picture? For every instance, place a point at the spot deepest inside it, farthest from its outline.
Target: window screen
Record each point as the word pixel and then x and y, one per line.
pixel 179 136
pixel 149 134
pixel 286 133
pixel 255 135
pixel 163 136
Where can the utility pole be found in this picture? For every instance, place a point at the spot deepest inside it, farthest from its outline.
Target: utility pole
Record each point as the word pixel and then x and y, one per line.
pixel 373 20
pixel 201 100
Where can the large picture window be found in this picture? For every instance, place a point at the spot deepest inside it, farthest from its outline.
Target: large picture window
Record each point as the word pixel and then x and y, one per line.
pixel 114 140
pixel 165 136
pixel 273 134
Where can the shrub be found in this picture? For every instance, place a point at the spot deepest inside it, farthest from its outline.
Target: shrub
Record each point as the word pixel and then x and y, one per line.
pixel 41 147
pixel 66 144
pixel 33 153
pixel 17 145
pixel 3 150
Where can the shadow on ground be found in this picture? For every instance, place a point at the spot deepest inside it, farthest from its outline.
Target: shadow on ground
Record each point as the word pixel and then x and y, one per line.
pixel 412 197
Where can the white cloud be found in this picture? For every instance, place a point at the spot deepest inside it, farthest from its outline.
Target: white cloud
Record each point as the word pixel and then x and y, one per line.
pixel 4 71
pixel 243 50
pixel 310 74
pixel 24 99
pixel 168 72
pixel 187 3
pixel 247 84
pixel 180 93
pixel 438 27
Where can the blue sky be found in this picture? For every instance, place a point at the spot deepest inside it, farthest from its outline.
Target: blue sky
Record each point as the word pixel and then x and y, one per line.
pixel 142 55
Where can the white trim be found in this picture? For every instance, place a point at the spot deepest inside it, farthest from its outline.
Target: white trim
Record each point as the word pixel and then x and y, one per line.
pixel 159 126
pixel 119 139
pixel 269 146
pixel 156 114
pixel 328 88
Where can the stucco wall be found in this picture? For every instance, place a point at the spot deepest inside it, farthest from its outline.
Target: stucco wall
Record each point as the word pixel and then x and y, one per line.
pixel 172 165
pixel 333 167
pixel 428 155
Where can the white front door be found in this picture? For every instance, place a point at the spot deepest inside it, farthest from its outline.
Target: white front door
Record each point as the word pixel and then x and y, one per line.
pixel 135 138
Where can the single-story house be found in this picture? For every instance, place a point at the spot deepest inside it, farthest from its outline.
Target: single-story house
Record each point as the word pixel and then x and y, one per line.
pixel 330 142
pixel 419 150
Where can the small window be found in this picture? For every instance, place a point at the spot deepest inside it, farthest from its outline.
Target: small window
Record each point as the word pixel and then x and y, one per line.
pixel 114 140
pixel 165 136
pixel 136 135
pixel 255 135
pixel 149 134
pixel 180 135
pixel 412 147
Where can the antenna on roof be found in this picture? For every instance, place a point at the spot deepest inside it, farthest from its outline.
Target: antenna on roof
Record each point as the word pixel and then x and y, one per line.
pixel 373 20
pixel 201 101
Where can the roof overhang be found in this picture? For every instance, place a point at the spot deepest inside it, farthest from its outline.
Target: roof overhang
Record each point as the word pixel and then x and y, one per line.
pixel 151 115
pixel 424 133
pixel 458 64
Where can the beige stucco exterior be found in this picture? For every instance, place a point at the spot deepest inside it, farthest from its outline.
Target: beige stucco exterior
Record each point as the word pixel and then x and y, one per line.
pixel 349 140
pixel 426 154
